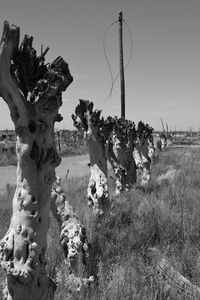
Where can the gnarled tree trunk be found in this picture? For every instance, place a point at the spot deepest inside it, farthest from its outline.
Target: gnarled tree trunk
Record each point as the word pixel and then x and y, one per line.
pixel 72 233
pixel 120 155
pixel 144 152
pixel 146 162
pixel 163 140
pixel 97 132
pixel 151 148
pixel 33 93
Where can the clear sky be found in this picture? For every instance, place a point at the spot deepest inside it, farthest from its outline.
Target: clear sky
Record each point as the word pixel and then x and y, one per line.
pixel 162 79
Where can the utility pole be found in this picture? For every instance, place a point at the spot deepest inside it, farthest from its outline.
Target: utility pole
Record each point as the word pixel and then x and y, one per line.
pixel 121 65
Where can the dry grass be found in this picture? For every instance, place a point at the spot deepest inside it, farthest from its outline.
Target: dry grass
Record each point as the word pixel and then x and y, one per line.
pixel 165 215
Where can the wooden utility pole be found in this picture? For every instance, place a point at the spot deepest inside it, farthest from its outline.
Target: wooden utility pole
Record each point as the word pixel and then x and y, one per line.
pixel 121 65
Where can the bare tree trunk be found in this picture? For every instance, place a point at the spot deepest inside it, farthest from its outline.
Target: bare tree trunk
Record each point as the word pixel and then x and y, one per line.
pixel 163 140
pixel 146 163
pixel 144 152
pixel 97 132
pixel 58 141
pixel 119 171
pixel 120 155
pixel 72 233
pixel 33 93
pixel 151 149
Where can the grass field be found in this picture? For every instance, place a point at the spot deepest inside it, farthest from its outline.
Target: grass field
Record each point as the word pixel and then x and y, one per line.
pixel 166 216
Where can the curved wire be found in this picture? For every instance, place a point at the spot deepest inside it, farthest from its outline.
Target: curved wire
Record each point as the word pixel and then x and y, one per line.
pixel 131 51
pixel 109 67
pixel 131 39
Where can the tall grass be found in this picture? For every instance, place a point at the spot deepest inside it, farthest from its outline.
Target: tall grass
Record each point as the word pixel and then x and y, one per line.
pixel 165 216
pixel 5 213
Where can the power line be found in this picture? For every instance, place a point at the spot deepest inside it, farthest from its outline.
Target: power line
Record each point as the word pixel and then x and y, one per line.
pixel 107 60
pixel 109 67
pixel 131 52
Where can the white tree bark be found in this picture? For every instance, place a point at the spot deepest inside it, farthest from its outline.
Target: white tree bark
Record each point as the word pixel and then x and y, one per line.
pixel 119 171
pixel 151 149
pixel 120 156
pixel 32 92
pixel 163 140
pixel 96 132
pixel 72 233
pixel 144 152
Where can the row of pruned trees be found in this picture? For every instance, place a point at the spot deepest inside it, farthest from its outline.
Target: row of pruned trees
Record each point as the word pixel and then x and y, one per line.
pixel 129 150
pixel 33 90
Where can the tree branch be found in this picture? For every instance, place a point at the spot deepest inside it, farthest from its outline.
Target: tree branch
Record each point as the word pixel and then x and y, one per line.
pixel 8 86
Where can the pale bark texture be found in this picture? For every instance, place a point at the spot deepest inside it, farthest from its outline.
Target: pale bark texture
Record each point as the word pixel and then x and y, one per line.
pixel 144 152
pixel 97 132
pixel 169 140
pixel 72 233
pixel 75 286
pixel 120 150
pixel 151 147
pixel 33 93
pixel 163 140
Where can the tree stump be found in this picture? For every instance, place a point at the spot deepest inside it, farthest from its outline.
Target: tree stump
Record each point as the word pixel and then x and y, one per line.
pixel 163 140
pixel 72 232
pixel 144 151
pixel 120 150
pixel 33 93
pixel 97 132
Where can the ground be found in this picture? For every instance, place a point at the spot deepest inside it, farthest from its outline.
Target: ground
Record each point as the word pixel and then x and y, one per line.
pixel 165 216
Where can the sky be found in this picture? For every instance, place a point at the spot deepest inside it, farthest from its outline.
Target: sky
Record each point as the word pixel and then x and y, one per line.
pixel 162 78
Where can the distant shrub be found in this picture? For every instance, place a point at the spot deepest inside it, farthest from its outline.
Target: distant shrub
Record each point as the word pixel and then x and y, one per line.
pixel 8 160
pixel 11 159
pixel 74 150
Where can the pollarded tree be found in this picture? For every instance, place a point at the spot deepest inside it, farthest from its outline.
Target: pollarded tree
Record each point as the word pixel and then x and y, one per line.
pixel 33 93
pixel 72 232
pixel 144 151
pixel 120 156
pixel 97 131
pixel 163 140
